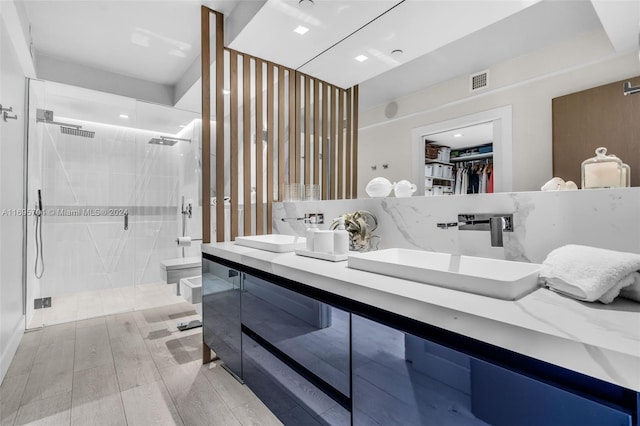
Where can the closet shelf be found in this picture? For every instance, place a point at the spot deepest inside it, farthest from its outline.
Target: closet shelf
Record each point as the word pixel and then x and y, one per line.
pixel 427 161
pixel 472 157
pixel 440 178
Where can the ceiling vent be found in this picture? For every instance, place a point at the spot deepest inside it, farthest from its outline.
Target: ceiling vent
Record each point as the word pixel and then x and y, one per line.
pixel 479 81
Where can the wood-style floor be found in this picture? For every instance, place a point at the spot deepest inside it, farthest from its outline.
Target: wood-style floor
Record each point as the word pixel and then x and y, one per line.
pixel 133 368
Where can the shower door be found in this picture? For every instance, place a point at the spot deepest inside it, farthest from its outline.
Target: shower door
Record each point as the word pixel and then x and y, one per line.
pixel 112 194
pixel 87 180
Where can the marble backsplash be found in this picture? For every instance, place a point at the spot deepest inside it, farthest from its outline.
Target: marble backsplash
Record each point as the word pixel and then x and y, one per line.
pixel 543 221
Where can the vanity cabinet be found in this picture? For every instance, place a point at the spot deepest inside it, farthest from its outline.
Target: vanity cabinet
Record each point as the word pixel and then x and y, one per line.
pixel 314 357
pixel 221 290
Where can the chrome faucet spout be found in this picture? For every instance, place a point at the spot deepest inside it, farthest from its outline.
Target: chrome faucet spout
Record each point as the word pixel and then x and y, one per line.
pixel 496 226
pixel 495 223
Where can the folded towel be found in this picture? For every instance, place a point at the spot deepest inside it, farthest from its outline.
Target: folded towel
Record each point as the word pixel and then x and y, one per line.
pixel 632 291
pixel 588 273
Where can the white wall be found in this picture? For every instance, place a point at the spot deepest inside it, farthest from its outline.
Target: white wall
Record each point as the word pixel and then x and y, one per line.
pixel 528 83
pixel 12 83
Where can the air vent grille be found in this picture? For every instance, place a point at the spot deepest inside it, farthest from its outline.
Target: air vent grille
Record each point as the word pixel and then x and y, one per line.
pixel 479 81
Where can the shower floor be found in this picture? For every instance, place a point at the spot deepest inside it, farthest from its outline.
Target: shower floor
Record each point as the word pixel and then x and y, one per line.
pixel 91 304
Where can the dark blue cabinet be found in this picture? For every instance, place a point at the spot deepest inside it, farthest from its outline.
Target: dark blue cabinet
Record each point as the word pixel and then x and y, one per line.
pixel 316 358
pixel 221 293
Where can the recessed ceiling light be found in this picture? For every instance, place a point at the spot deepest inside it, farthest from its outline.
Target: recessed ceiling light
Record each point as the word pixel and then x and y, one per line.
pixel 301 30
pixel 457 135
pixel 361 58
pixel 124 116
pixel 397 52
pixel 305 3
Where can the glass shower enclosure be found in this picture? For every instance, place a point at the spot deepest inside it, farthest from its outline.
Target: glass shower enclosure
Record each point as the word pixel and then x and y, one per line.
pixel 106 179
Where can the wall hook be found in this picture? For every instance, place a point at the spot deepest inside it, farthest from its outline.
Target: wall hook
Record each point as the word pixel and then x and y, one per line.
pixel 374 167
pixel 385 166
pixel 8 117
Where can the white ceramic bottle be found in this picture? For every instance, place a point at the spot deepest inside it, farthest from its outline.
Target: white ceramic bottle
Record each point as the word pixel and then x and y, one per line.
pixel 340 239
pixel 309 233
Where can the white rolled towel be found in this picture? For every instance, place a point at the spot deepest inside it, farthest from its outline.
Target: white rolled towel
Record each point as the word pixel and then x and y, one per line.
pixel 590 273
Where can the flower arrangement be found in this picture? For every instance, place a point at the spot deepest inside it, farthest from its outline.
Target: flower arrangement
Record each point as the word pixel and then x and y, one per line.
pixel 360 226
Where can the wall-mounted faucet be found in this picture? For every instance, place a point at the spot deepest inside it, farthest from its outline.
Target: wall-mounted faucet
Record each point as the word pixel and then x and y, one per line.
pixel 495 223
pixel 307 218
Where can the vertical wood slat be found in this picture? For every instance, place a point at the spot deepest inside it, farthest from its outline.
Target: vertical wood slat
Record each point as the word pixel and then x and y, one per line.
pixel 332 178
pixel 307 129
pixel 292 126
pixel 281 116
pixel 340 164
pixel 348 148
pixel 354 167
pixel 325 142
pixel 316 132
pixel 297 107
pixel 219 131
pixel 206 126
pixel 259 150
pixel 270 147
pixel 234 168
pixel 246 147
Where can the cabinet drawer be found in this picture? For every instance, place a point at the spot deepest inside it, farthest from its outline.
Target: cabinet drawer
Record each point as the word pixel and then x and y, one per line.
pixel 292 398
pixel 503 397
pixel 312 333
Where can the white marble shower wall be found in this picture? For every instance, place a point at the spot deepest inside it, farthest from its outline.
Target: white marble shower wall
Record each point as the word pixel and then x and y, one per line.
pixel 95 181
pixel 606 218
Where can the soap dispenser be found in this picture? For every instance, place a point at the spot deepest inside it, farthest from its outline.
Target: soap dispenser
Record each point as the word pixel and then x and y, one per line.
pixel 340 238
pixel 309 233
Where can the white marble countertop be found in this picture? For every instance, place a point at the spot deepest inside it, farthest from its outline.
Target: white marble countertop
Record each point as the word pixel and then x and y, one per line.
pixel 601 341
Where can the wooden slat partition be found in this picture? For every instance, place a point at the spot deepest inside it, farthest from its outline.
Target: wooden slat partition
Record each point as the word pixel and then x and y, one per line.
pixel 281 135
pixel 293 124
pixel 246 146
pixel 296 146
pixel 234 166
pixel 205 30
pixel 340 165
pixel 270 147
pixel 259 158
pixel 317 141
pixel 354 155
pixel 325 142
pixel 307 128
pixel 333 173
pixel 320 137
pixel 347 193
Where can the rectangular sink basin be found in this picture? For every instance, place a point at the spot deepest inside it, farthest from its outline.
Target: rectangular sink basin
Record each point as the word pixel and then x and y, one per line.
pixel 278 243
pixel 501 279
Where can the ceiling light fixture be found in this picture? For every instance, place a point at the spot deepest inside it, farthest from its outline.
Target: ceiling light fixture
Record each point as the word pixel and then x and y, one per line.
pixel 305 3
pixel 397 52
pixel 124 116
pixel 301 30
pixel 361 58
pixel 457 135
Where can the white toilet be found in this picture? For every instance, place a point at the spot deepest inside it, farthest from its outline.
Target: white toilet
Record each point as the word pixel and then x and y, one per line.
pixel 173 270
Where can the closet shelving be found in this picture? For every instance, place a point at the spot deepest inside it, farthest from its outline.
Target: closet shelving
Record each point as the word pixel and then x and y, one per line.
pixel 438 176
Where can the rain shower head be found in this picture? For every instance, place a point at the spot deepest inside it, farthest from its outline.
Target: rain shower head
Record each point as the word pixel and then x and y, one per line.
pixel 167 140
pixel 46 116
pixel 77 132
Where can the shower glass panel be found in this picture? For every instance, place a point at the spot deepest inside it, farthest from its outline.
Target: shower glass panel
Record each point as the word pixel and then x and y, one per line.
pixel 110 201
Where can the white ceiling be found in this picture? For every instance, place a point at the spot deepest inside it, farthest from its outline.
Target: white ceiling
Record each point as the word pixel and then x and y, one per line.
pixel 464 137
pixel 158 40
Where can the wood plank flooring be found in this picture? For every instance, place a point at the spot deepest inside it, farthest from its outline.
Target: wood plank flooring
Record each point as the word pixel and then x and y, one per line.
pixel 133 368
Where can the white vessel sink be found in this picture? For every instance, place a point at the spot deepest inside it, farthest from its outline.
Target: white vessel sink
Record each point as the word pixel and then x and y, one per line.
pixel 501 279
pixel 278 243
